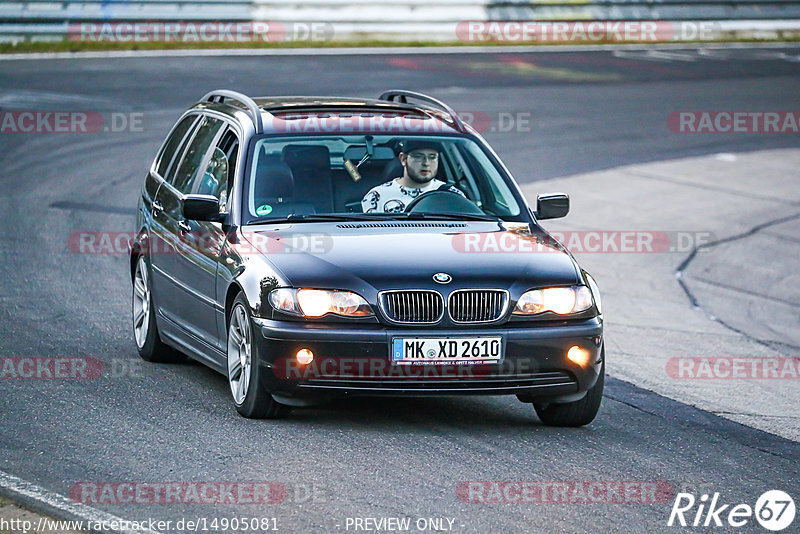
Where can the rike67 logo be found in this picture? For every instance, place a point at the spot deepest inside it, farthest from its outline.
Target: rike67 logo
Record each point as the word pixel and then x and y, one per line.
pixel 774 510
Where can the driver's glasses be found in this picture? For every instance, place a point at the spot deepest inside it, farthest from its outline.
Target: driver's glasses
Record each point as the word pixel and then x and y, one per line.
pixel 419 158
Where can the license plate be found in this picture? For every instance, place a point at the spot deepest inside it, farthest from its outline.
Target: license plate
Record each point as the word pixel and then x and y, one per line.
pixel 456 350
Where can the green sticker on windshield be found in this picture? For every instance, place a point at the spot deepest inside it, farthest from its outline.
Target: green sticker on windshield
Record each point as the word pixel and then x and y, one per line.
pixel 266 209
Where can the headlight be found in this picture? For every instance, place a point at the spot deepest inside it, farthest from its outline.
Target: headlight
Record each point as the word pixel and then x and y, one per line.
pixel 319 302
pixel 559 300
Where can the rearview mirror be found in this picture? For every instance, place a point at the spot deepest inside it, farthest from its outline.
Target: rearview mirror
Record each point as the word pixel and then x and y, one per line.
pixel 356 152
pixel 552 206
pixel 201 208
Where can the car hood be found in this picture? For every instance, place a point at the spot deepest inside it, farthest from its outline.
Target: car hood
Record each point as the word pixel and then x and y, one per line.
pixel 380 256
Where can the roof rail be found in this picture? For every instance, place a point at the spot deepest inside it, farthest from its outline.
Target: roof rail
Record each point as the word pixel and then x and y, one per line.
pixel 402 96
pixel 255 113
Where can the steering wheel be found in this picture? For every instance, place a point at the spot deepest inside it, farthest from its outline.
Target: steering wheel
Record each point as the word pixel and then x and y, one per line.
pixel 443 201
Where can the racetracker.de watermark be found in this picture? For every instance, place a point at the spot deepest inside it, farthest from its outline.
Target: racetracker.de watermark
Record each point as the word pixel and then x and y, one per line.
pixel 69 368
pixel 102 243
pixel 737 121
pixel 399 123
pixel 734 368
pixel 366 368
pixel 477 31
pixel 200 32
pixel 207 493
pixel 582 241
pixel 33 121
pixel 564 492
pixel 265 242
pixel 50 368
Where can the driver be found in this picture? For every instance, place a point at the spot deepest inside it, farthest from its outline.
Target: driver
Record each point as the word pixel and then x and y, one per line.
pixel 420 161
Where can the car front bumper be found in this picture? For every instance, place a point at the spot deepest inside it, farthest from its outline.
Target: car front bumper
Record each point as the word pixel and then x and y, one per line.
pixel 355 359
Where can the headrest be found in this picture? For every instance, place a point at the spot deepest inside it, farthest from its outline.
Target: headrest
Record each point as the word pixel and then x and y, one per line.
pixel 393 169
pixel 307 156
pixel 274 177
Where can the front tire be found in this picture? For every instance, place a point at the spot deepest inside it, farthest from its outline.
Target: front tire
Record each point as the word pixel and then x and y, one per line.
pixel 145 330
pixel 578 413
pixel 251 398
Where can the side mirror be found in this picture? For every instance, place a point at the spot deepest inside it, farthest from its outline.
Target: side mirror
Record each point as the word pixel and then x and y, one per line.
pixel 552 206
pixel 201 208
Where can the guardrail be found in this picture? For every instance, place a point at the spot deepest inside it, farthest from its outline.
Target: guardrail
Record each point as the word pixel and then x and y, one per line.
pixel 427 11
pixel 53 20
pixel 70 10
pixel 428 20
pixel 661 10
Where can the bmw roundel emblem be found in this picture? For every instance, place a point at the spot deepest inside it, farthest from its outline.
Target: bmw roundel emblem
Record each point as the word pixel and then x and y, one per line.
pixel 442 278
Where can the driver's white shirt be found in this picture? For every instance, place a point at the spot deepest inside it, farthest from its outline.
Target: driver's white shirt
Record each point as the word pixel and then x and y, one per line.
pixel 392 197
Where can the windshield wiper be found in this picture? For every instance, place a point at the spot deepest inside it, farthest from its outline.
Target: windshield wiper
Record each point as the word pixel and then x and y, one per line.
pixel 319 217
pixel 337 217
pixel 428 215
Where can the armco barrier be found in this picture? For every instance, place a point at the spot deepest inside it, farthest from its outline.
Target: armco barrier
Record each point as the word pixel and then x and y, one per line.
pixel 647 10
pixel 427 11
pixel 428 20
pixel 47 20
pixel 70 10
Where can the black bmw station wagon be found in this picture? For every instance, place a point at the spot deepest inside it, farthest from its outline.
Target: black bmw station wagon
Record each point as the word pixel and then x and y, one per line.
pixel 309 247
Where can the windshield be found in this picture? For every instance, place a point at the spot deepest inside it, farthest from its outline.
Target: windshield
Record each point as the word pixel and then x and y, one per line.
pixel 374 176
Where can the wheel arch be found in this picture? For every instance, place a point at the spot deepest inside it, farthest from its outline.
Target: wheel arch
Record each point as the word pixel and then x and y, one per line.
pixel 255 284
pixel 138 246
pixel 234 289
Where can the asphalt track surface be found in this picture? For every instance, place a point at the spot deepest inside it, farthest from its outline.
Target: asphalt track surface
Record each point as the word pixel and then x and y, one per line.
pixel 360 457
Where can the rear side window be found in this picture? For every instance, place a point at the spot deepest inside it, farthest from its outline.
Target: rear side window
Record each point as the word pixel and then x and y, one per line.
pixel 189 165
pixel 173 143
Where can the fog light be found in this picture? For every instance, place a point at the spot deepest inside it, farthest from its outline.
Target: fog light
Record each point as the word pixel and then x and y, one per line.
pixel 305 356
pixel 579 356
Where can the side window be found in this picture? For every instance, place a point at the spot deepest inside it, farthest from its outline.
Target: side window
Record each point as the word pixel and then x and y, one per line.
pixel 494 195
pixel 192 158
pixel 217 177
pixel 171 146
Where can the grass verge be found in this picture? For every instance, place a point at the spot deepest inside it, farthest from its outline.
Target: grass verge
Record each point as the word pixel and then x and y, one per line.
pixel 89 46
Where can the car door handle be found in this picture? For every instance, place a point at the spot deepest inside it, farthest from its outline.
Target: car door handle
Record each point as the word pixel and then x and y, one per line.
pixel 157 206
pixel 184 226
